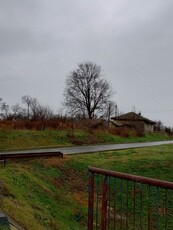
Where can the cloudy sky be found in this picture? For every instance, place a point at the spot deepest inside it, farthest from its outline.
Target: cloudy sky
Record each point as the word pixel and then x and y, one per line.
pixel 41 41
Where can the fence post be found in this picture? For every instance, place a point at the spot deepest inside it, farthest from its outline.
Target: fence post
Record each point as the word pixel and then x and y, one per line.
pixel 90 200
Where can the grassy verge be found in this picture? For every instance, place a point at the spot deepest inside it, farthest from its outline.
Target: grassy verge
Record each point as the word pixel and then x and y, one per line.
pixel 52 193
pixel 28 139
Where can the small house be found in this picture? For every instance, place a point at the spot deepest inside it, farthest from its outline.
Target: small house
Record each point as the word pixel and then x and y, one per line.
pixel 133 120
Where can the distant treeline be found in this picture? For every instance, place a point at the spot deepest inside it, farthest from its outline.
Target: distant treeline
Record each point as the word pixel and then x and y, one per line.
pixel 36 116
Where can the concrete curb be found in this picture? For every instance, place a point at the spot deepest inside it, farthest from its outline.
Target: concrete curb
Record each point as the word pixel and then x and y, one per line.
pixel 13 224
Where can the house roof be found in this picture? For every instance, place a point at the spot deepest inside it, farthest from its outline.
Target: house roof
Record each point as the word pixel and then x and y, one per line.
pixel 131 116
pixel 117 123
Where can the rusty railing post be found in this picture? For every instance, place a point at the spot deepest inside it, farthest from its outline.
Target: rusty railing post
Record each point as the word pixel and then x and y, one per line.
pixel 104 204
pixel 90 201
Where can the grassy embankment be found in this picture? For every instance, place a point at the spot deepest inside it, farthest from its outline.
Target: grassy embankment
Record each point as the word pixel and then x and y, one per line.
pixel 52 193
pixel 25 139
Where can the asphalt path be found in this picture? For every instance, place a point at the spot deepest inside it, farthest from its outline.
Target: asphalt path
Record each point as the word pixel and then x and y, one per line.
pixel 92 148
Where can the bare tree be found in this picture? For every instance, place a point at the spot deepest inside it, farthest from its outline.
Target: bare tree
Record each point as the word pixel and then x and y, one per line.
pixel 86 92
pixel 16 109
pixel 159 126
pixel 36 111
pixel 18 112
pixel 45 112
pixel 40 112
pixel 1 114
pixel 34 108
pixel 110 110
pixel 5 109
pixel 27 100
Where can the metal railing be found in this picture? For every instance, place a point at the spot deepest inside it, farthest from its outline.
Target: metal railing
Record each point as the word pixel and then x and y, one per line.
pixel 119 201
pixel 12 156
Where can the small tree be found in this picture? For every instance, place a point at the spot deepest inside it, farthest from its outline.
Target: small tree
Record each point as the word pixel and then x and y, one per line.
pixel 87 93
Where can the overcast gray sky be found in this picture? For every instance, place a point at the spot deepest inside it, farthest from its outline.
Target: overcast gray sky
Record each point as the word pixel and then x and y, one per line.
pixel 41 41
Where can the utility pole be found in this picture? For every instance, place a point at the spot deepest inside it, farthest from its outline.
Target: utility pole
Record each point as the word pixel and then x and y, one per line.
pixel 134 109
pixel 116 110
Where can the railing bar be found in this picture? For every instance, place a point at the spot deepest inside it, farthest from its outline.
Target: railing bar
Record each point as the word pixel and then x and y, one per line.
pixel 121 190
pixel 157 200
pixel 149 211
pixel 127 204
pixel 115 204
pixel 141 206
pixel 134 205
pixel 97 197
pixel 109 204
pixel 142 180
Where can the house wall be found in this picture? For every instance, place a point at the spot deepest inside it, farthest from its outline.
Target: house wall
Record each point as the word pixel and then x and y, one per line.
pixel 138 125
pixel 148 127
pixel 111 125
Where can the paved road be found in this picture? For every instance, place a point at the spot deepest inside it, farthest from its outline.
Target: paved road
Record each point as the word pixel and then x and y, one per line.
pixel 94 148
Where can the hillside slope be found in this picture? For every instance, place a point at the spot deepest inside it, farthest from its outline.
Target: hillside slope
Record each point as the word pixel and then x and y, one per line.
pixel 52 193
pixel 28 139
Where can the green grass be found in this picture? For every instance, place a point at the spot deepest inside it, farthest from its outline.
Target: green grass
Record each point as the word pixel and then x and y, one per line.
pixel 29 139
pixel 52 193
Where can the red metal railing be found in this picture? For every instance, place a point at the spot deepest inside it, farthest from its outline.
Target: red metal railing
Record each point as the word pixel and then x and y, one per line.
pixel 119 201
